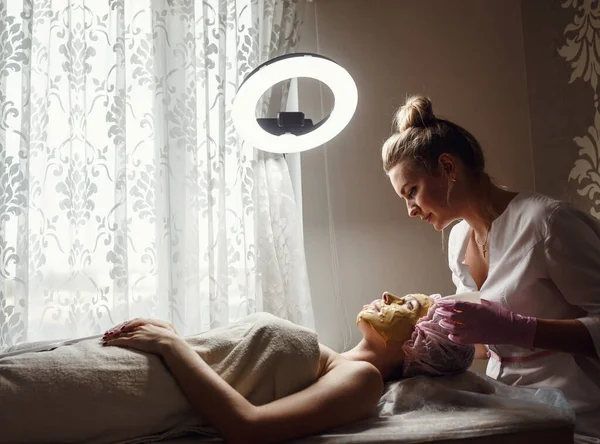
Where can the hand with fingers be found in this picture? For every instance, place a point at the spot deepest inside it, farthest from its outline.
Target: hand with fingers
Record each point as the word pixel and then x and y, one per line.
pixel 134 323
pixel 485 323
pixel 146 335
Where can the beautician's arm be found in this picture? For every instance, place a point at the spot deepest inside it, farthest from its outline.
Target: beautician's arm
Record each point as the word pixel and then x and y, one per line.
pixel 572 256
pixel 345 394
pixel 569 336
pixel 492 323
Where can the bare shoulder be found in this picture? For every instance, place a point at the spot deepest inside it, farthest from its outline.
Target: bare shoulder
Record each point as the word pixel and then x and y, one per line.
pixel 361 374
pixel 345 391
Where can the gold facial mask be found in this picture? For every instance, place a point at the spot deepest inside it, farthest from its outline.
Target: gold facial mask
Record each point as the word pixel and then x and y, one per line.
pixel 393 317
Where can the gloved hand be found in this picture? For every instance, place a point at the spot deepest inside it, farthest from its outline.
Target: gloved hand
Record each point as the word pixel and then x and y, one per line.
pixel 485 323
pixel 435 296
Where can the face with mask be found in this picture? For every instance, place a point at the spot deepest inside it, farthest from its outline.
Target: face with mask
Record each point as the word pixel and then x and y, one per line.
pixel 394 317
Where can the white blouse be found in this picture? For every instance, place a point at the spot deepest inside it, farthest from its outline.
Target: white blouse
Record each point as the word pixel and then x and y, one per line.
pixel 544 262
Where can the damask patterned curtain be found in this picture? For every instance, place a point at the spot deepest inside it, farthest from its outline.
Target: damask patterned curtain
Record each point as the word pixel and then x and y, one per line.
pixel 124 190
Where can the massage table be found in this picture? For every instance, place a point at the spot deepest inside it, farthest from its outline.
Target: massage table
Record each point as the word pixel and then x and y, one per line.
pixel 466 409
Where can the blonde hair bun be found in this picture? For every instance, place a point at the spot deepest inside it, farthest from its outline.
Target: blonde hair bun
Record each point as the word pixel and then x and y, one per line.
pixel 416 112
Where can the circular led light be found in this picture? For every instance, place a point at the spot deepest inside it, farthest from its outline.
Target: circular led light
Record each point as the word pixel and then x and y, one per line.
pixel 282 68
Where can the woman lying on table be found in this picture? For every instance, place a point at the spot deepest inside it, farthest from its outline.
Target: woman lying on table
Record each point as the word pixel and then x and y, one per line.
pixel 243 399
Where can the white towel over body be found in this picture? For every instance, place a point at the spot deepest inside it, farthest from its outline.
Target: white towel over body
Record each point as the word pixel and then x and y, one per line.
pixel 86 392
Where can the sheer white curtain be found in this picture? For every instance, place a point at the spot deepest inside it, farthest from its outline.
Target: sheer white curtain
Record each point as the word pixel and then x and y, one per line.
pixel 124 190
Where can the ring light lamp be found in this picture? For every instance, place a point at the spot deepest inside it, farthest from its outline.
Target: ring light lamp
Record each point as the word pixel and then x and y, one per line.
pixel 291 132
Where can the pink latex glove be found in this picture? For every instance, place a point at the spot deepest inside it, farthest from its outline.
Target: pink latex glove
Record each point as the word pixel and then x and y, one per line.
pixel 435 296
pixel 485 323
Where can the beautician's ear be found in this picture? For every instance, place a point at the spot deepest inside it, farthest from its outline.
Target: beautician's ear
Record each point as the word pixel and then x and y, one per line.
pixel 446 164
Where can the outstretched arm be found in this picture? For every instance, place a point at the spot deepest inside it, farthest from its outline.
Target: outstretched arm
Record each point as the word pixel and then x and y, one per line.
pixel 347 393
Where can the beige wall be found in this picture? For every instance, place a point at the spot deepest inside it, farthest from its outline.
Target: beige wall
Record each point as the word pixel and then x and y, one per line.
pixel 468 56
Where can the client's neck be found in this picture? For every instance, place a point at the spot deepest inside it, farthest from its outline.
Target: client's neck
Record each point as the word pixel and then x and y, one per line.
pixel 385 357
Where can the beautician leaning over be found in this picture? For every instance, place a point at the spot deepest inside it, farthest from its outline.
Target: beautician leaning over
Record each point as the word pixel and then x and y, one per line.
pixel 535 260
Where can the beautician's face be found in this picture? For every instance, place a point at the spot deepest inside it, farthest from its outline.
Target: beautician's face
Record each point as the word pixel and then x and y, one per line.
pixel 393 317
pixel 425 194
